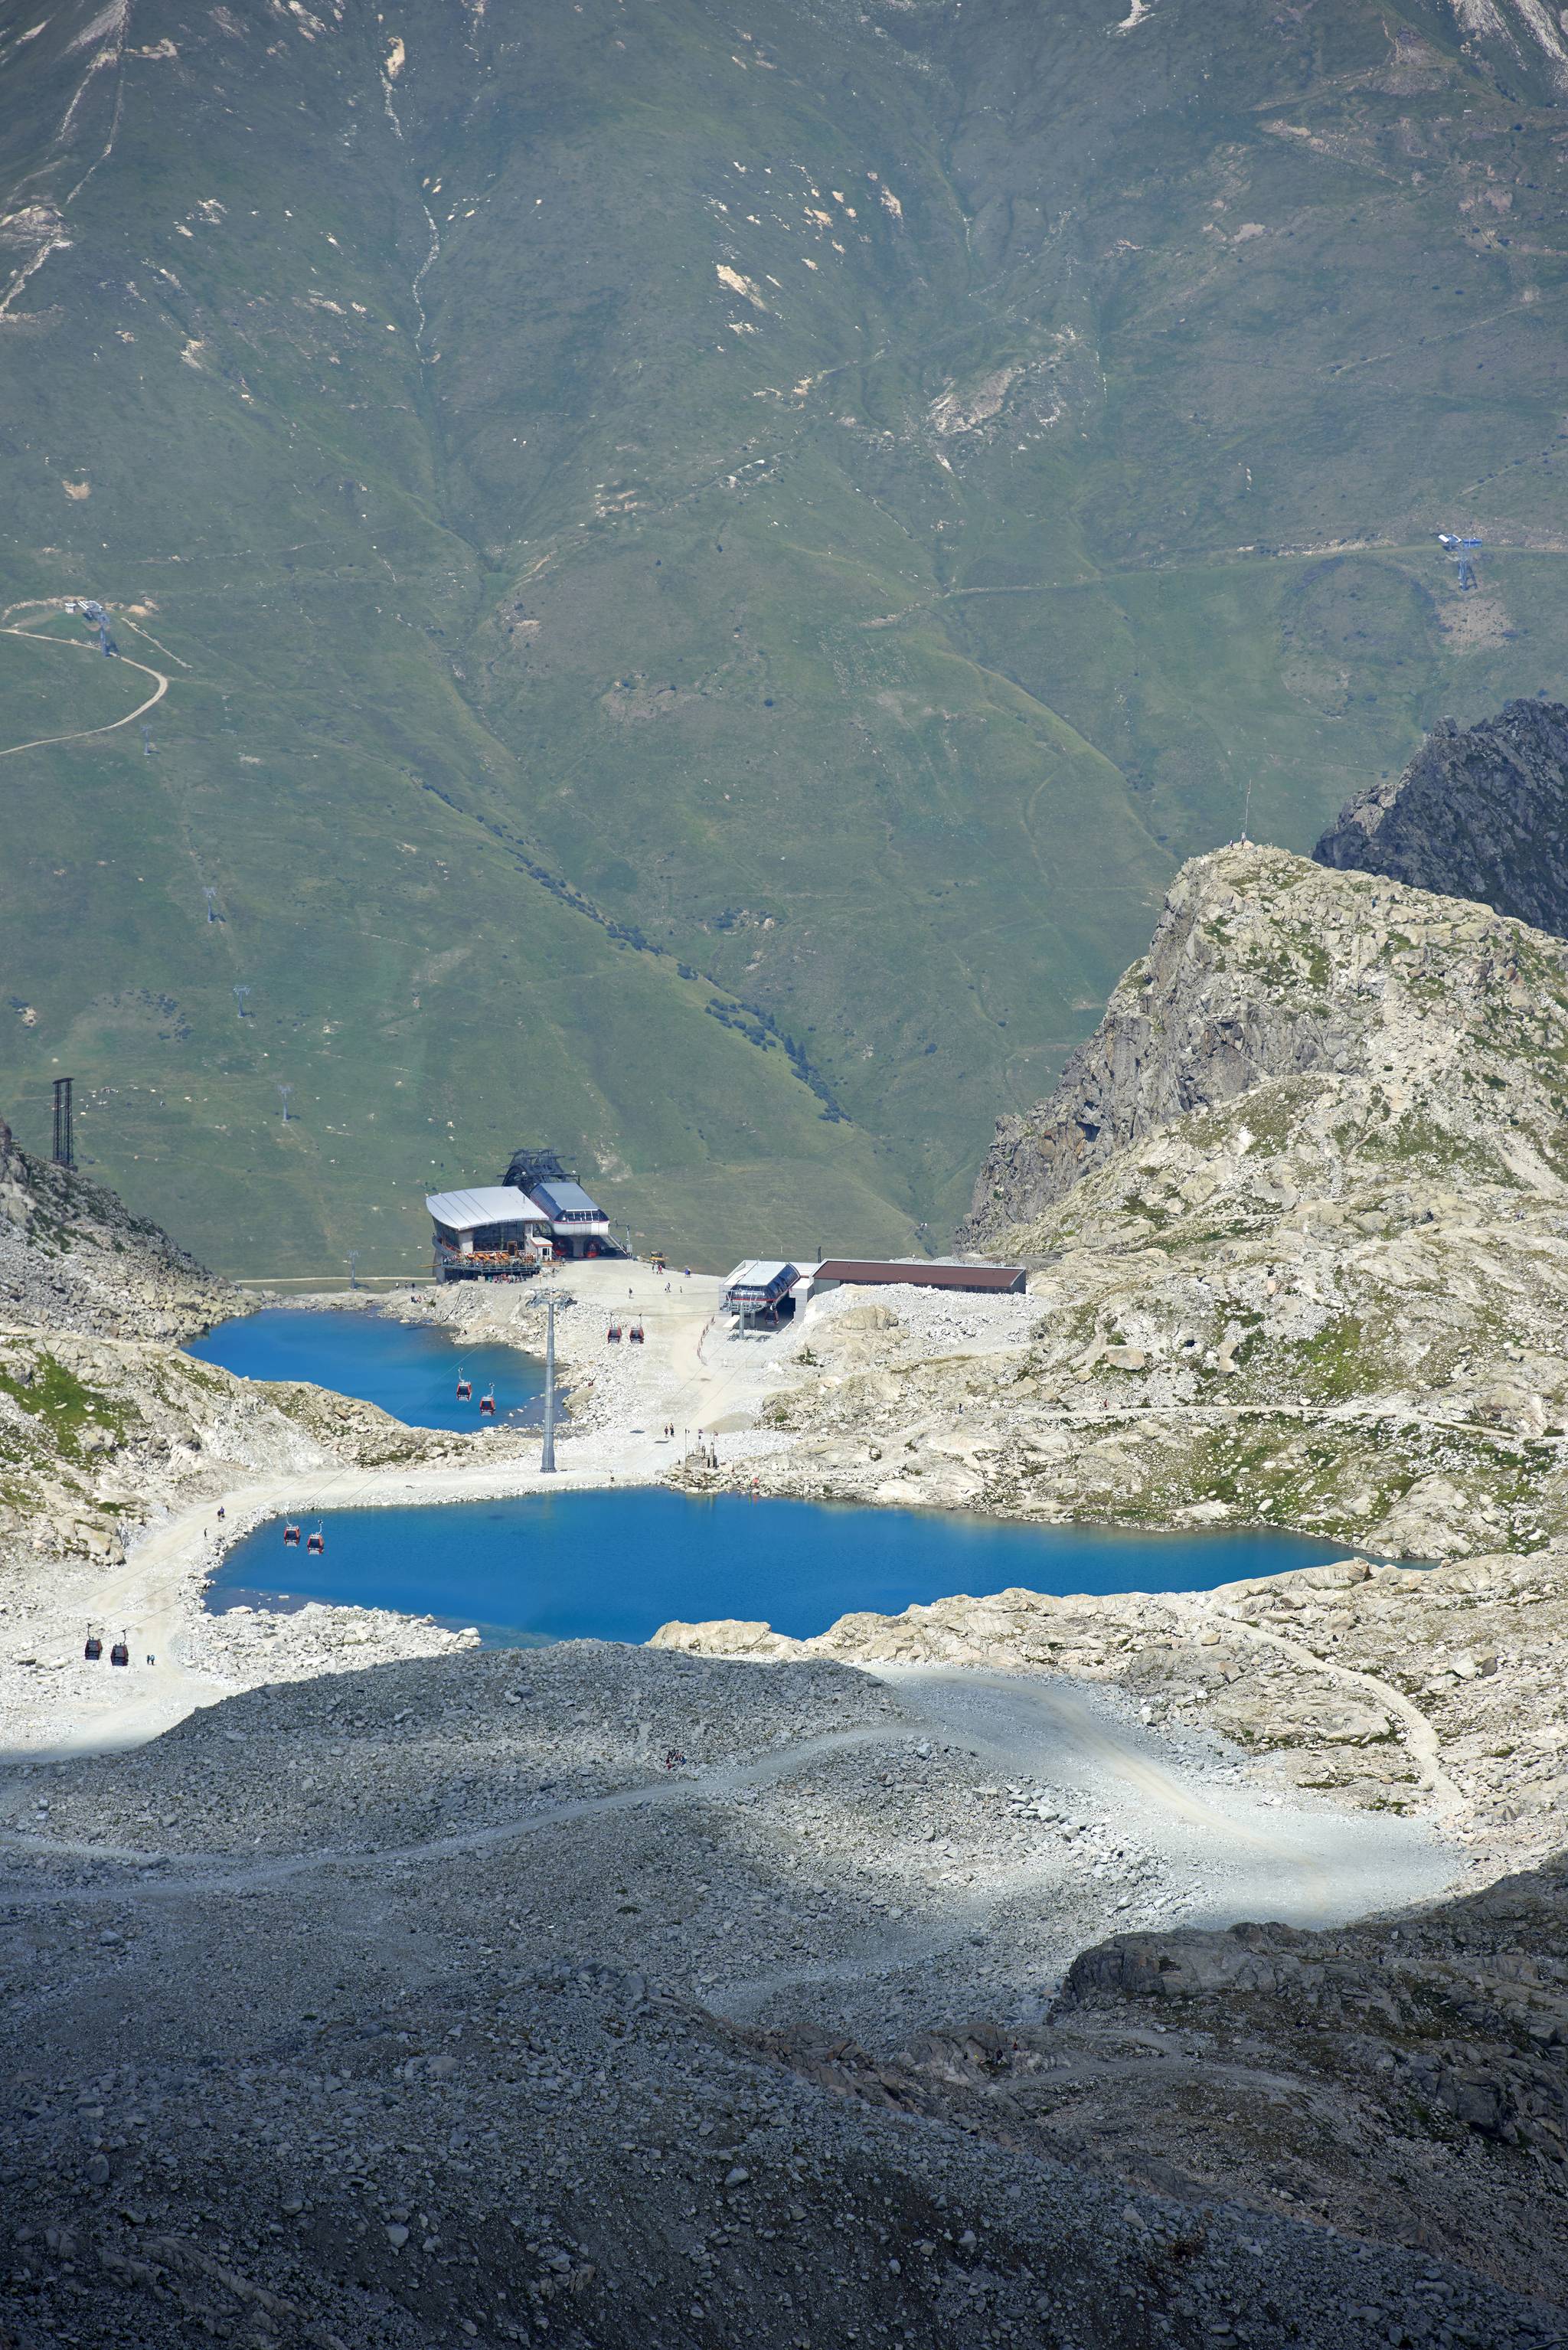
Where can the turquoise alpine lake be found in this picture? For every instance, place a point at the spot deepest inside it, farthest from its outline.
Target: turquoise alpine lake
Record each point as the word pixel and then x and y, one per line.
pixel 617 1563
pixel 411 1369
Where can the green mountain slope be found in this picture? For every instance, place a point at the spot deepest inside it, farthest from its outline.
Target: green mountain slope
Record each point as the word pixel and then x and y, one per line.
pixel 709 572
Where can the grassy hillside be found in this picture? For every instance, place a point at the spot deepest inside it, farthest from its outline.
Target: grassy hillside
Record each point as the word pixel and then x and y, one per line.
pixel 707 575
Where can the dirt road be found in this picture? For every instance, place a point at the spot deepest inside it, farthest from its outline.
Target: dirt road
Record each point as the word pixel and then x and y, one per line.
pixel 74 644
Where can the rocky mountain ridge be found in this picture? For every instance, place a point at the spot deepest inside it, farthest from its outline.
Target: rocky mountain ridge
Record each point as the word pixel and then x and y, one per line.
pixel 1481 812
pixel 1299 1226
pixel 105 1420
pixel 1260 970
pixel 73 1257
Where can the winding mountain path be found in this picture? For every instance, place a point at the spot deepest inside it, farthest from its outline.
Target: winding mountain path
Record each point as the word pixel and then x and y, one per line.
pixel 281 1868
pixel 1223 1854
pixel 1219 1852
pixel 84 733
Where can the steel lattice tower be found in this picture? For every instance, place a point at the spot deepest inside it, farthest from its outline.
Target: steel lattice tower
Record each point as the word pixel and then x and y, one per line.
pixel 64 1146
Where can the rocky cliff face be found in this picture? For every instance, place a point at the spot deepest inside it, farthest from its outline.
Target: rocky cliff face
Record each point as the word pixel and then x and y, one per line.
pixel 1481 812
pixel 1262 968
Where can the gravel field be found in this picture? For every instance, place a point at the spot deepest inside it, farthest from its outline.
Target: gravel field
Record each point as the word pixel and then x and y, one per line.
pixel 337 2013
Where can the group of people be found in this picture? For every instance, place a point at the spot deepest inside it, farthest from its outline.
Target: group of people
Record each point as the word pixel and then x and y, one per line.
pixel 707 1452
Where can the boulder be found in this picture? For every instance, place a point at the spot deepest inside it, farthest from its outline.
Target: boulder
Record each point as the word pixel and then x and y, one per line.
pixel 1181 1964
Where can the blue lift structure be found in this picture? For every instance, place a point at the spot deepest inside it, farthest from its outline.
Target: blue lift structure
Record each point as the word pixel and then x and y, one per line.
pixel 1461 549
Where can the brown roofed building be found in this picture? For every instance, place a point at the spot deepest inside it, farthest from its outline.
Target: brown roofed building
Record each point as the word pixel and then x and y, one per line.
pixel 992 1280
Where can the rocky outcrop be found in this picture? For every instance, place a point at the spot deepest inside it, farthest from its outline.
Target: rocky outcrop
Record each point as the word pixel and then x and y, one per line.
pixel 1290 2069
pixel 1259 969
pixel 1481 812
pixel 73 1257
pixel 1447 2030
pixel 1330 1294
pixel 1396 1687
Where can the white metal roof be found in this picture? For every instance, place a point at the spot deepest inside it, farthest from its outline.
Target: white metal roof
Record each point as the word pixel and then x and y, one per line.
pixel 561 1196
pixel 493 1203
pixel 757 1272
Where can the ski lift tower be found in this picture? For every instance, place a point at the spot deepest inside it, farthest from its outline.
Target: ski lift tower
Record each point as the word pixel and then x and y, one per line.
pixel 99 619
pixel 548 1440
pixel 1461 549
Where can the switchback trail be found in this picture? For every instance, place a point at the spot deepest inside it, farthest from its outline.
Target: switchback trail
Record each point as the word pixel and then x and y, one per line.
pixel 83 734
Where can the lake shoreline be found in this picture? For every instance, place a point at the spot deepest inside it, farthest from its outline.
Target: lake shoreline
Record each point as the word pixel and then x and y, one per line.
pixel 690 1373
pixel 619 1564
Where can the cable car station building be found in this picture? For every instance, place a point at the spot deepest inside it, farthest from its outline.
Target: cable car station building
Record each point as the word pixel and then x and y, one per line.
pixel 578 1225
pixel 504 1232
pixel 495 1233
pixel 759 1292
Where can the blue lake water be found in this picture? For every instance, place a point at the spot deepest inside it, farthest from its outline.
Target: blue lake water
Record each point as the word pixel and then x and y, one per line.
pixel 614 1566
pixel 410 1370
